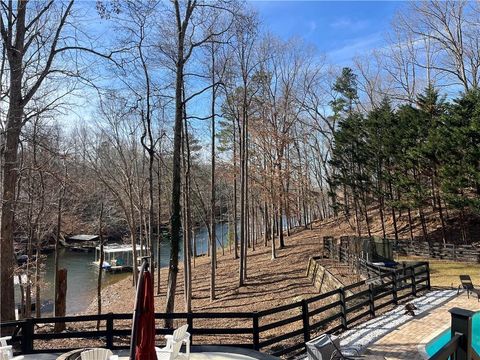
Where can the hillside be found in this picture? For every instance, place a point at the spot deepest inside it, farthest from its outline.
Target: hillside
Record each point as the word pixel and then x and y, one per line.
pixel 270 282
pixel 432 220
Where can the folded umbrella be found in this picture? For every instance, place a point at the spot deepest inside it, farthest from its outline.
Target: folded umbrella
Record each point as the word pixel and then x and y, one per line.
pixel 142 345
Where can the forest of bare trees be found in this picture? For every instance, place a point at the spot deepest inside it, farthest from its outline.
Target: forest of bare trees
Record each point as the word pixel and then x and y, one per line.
pixel 188 113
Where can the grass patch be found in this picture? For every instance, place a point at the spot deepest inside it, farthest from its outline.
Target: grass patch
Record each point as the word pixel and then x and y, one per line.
pixel 446 273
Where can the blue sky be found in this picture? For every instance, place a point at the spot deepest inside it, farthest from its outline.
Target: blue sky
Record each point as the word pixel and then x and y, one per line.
pixel 339 29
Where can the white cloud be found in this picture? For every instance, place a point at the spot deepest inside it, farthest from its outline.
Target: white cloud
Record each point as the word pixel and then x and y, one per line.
pixel 355 46
pixel 345 23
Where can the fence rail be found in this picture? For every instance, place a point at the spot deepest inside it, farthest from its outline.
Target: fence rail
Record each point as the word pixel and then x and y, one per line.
pixel 341 249
pixel 454 252
pixel 328 312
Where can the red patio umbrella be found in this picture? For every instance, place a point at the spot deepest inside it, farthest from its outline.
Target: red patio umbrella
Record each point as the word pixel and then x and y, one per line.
pixel 143 332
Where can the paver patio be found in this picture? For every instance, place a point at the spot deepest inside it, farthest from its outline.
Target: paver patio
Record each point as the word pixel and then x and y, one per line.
pixel 408 340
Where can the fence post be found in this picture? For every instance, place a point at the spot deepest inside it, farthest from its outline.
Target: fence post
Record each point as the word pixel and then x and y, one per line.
pixel 27 336
pixel 427 266
pixel 256 332
pixel 306 322
pixel 414 281
pixel 371 298
pixel 109 337
pixel 462 323
pixel 190 326
pixel 326 247
pixel 343 308
pixel 394 287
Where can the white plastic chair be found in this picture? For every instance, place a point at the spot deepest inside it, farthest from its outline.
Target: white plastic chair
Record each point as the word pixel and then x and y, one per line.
pixel 174 342
pixel 3 340
pixel 6 353
pixel 96 354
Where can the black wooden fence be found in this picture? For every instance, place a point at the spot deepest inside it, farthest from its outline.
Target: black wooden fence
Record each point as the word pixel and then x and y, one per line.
pixel 329 312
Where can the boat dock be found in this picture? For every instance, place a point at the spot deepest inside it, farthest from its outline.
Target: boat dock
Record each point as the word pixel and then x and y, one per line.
pixel 118 257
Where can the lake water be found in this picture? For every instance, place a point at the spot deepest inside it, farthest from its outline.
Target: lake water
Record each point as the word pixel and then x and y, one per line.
pixel 82 273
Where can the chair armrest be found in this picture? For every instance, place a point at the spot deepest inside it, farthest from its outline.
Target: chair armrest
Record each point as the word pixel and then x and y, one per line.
pixel 167 351
pixel 186 339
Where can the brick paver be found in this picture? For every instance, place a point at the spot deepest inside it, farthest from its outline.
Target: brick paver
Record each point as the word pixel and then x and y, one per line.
pixel 406 341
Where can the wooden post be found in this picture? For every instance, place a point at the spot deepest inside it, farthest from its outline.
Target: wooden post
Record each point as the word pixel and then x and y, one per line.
pixel 343 307
pixel 256 332
pixel 27 336
pixel 462 323
pixel 371 298
pixel 394 287
pixel 414 282
pixel 61 300
pixel 190 326
pixel 306 322
pixel 109 337
pixel 427 266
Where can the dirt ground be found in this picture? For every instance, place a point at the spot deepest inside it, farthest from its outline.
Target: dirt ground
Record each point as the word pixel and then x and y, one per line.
pixel 270 283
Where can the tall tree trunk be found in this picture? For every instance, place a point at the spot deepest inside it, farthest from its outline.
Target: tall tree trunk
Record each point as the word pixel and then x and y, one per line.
pixel 100 265
pixel 424 225
pixel 188 220
pixel 394 216
pixel 235 205
pixel 37 277
pixel 175 220
pixel 213 225
pixel 133 235
pixel 56 282
pixel 266 229
pixel 243 200
pixel 410 223
pixel 246 190
pixel 159 222
pixel 274 254
pixel 10 175
pixel 280 223
pixel 382 216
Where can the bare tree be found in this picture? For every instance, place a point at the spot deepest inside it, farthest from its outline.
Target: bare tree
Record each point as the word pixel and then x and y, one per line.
pixel 186 36
pixel 452 29
pixel 26 28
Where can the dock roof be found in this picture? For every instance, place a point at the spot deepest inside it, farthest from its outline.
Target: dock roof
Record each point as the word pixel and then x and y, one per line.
pixel 119 248
pixel 83 237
